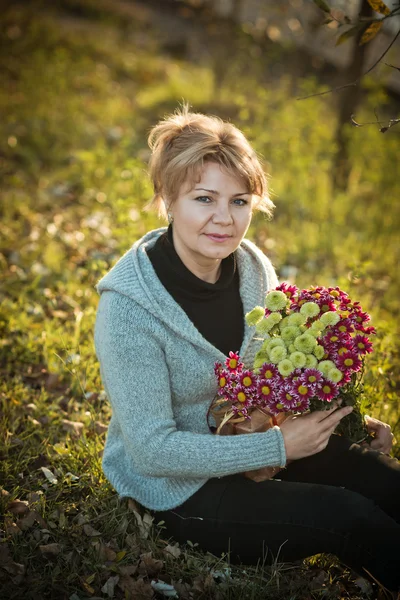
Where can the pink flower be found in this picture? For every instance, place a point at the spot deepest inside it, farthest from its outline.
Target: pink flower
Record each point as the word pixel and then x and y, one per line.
pixel 265 389
pixel 327 391
pixel 362 345
pixel 248 379
pixel 311 377
pixel 286 288
pixel 300 389
pixel 269 371
pixel 242 395
pixel 349 361
pixel 301 405
pixel 233 362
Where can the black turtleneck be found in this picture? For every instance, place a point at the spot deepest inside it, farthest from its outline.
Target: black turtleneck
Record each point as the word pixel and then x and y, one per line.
pixel 214 308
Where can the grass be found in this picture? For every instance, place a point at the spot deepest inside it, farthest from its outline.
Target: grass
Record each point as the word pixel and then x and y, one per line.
pixel 82 84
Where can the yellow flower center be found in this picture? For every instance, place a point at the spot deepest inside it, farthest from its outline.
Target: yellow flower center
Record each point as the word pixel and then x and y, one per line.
pixel 279 405
pixel 326 389
pixel 247 381
pixel 334 293
pixel 342 350
pixel 334 338
pixel 222 382
pixel 317 295
pixel 312 379
pixel 343 328
pixel 348 362
pixel 302 390
pixel 268 374
pixel 325 308
pixel 360 345
pixel 288 397
pixel 265 390
pixel 233 363
pixel 241 397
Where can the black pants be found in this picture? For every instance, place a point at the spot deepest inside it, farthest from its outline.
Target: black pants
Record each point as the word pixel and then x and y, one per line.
pixel 344 500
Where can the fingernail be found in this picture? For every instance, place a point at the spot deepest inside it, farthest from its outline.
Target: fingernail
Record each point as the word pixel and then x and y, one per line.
pixel 349 409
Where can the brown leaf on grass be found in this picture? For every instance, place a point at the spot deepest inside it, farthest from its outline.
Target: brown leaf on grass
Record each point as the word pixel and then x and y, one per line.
pixel 150 566
pixel 135 590
pixel 10 527
pixel 16 570
pixel 90 531
pixel 143 519
pixel 75 428
pixel 50 549
pixel 34 497
pixel 4 493
pixel 31 518
pixel 183 589
pixel 319 581
pixel 18 507
pixel 204 583
pixel 100 427
pixel 104 552
pixel 127 570
pixel 108 587
pixel 174 551
pixel 51 381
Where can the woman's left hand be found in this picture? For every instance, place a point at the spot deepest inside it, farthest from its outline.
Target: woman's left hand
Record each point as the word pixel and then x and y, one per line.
pixel 383 439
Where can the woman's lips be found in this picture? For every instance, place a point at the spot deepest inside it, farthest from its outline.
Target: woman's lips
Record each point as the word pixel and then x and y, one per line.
pixel 217 238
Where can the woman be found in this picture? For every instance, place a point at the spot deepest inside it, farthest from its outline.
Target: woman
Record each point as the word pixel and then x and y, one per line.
pixel 171 307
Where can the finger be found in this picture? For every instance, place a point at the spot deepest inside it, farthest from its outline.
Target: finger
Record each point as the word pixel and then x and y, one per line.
pixel 321 415
pixel 336 415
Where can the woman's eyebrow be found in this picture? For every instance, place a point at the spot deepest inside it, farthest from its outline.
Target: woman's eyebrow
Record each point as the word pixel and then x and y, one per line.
pixel 217 193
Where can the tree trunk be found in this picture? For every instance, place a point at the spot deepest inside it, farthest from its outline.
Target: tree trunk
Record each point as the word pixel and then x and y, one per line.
pixel 349 99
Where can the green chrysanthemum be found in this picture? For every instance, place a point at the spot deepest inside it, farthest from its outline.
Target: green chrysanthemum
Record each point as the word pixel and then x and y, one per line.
pixel 258 363
pixel 262 354
pixel 284 323
pixel 275 300
pixel 311 361
pixel 254 316
pixel 296 319
pixel 325 366
pixel 318 324
pixel 315 331
pixel 330 318
pixel 263 327
pixel 277 354
pixel 274 342
pixel 274 318
pixel 305 343
pixel 298 359
pixel 291 348
pixel 319 351
pixel 334 375
pixel 285 367
pixel 309 310
pixel 290 333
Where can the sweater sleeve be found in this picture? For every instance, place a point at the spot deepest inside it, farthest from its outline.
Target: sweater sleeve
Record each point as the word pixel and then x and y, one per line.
pixel 136 379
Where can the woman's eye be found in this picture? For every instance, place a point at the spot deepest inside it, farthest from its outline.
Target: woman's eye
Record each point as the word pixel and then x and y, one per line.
pixel 203 199
pixel 240 202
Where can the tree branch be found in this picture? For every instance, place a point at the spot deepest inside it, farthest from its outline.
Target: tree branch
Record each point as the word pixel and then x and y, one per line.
pixel 341 87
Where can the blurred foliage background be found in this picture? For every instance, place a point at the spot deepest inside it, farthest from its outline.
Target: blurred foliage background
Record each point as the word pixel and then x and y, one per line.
pixel 82 84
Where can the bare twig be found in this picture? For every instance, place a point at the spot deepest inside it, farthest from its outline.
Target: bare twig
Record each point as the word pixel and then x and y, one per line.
pixel 341 87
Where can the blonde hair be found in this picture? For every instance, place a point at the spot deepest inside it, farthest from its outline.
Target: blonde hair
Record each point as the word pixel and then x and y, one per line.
pixel 180 145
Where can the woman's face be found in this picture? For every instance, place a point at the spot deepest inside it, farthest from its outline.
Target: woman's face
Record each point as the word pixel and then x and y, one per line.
pixel 210 219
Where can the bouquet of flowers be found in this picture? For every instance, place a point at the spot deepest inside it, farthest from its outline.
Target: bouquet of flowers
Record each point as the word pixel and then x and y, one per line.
pixel 313 344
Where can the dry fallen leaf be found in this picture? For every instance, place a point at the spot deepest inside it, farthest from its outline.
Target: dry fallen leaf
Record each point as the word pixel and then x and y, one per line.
pixel 144 523
pixel 127 570
pixel 108 587
pixel 10 527
pixel 90 531
pixel 31 518
pixel 135 590
pixel 50 549
pixel 74 427
pixel 49 475
pixel 150 566
pixel 18 507
pixel 172 550
pixel 100 427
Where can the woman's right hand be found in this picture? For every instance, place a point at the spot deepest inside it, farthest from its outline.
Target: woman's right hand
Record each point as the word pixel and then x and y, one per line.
pixel 308 434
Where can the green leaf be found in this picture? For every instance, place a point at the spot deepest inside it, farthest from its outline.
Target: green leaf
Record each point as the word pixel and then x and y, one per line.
pixel 349 34
pixel 379 6
pixel 322 5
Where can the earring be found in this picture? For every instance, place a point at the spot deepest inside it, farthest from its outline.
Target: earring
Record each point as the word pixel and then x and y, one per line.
pixel 170 218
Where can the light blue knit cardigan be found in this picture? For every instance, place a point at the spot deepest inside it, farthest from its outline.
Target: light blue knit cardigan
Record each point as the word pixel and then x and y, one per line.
pixel 158 373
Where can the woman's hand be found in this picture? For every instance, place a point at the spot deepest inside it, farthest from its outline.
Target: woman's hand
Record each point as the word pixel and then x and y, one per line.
pixel 308 434
pixel 383 439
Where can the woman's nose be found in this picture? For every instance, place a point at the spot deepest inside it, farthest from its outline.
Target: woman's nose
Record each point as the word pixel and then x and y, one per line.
pixel 222 214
